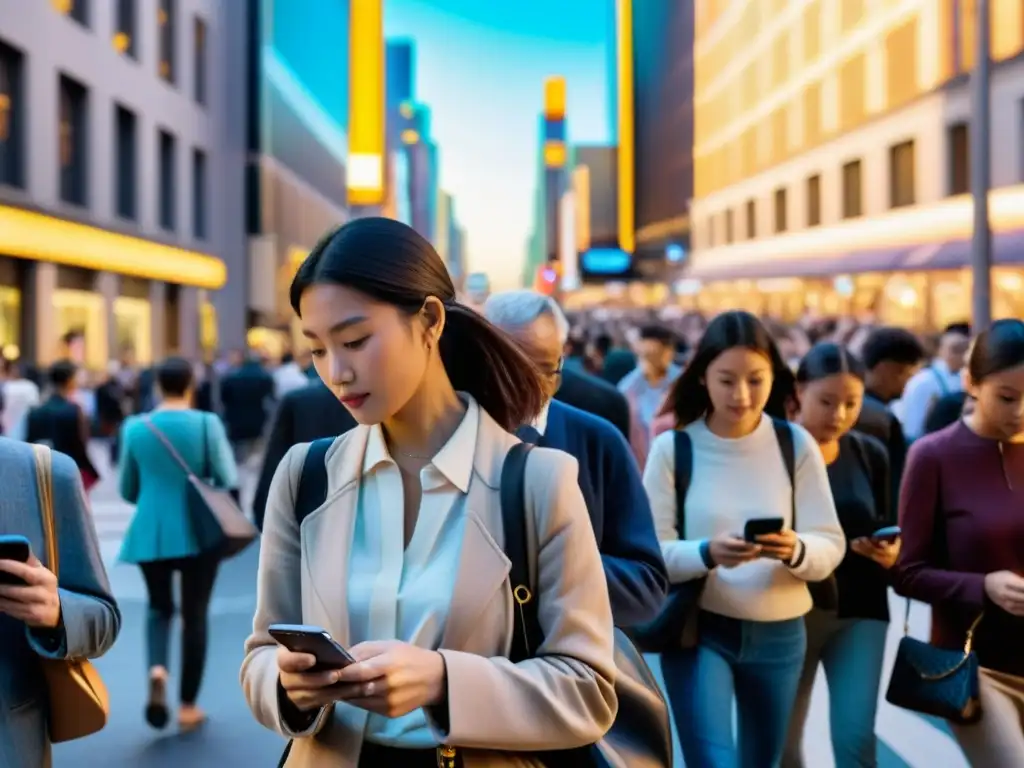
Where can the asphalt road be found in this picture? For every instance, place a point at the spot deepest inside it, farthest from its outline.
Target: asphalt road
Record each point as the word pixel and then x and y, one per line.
pixel 232 738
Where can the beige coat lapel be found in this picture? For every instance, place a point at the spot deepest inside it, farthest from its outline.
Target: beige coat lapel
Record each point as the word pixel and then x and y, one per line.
pixel 327 537
pixel 483 566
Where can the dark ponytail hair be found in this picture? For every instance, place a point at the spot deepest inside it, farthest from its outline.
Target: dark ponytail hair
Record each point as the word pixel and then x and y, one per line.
pixel 392 263
pixel 826 359
pixel 997 349
pixel 689 400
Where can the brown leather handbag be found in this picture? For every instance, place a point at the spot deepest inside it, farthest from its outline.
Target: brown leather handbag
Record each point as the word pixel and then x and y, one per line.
pixel 79 703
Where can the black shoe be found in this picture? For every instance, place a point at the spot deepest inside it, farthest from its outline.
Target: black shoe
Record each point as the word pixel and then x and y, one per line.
pixel 156 709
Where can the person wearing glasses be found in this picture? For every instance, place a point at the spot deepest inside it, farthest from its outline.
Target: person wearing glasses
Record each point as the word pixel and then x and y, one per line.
pixel 608 475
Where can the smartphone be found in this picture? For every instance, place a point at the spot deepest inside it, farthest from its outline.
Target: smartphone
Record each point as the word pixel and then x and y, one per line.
pixel 760 526
pixel 317 641
pixel 13 547
pixel 886 535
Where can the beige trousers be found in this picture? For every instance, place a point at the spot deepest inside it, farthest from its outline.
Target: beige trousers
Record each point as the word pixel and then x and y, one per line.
pixel 997 741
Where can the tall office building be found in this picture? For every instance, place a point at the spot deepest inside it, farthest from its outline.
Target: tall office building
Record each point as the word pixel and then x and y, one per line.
pixel 663 134
pixel 832 160
pixel 299 146
pixel 119 165
pixel 401 72
pixel 552 179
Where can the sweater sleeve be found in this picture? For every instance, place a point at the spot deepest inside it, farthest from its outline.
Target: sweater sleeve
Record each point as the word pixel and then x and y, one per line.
pixel 822 542
pixel 682 558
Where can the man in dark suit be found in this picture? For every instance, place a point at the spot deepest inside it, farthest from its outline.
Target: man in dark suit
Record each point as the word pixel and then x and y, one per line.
pixel 303 415
pixel 608 474
pixel 891 356
pixel 246 394
pixel 60 422
pixel 593 395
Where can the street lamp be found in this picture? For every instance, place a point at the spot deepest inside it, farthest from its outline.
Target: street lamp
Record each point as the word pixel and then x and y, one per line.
pixel 981 172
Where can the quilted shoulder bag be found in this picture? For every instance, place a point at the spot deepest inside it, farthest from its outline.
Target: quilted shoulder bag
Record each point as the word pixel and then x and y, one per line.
pixel 78 701
pixel 936 681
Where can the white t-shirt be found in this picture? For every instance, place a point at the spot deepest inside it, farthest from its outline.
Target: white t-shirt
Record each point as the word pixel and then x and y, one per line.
pixel 733 481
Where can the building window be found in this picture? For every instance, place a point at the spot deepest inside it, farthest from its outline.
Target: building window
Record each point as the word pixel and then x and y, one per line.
pixel 167 189
pixel 711 232
pixel 814 201
pixel 751 219
pixel 959 160
pixel 901 174
pixel 200 199
pixel 729 232
pixel 126 163
pixel 165 16
pixel 12 104
pixel 73 141
pixel 853 203
pixel 75 9
pixel 125 37
pixel 780 209
pixel 199 63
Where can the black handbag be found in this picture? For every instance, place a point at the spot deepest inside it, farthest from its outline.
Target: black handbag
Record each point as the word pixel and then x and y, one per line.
pixel 641 736
pixel 936 681
pixel 675 627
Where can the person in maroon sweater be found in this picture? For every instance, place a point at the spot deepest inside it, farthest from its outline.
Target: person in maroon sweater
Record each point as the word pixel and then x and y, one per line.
pixel 962 513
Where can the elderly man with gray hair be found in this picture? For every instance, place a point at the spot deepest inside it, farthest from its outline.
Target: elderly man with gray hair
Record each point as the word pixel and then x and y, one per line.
pixel 608 474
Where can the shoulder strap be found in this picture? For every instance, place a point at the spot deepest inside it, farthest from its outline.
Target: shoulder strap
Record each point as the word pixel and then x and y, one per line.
pixel 784 434
pixel 168 446
pixel 529 635
pixel 683 475
pixel 313 480
pixel 43 460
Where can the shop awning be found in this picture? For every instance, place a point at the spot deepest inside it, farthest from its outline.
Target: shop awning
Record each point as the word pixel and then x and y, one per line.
pixel 879 260
pixel 1007 248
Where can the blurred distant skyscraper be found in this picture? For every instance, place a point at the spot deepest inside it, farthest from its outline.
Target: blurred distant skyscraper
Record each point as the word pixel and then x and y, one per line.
pixel 401 72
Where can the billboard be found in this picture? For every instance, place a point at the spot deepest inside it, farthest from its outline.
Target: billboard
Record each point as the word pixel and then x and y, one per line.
pixel 304 90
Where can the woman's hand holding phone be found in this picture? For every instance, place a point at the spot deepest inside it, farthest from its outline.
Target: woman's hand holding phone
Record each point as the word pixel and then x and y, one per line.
pixel 307 690
pixel 778 546
pixel 393 678
pixel 884 552
pixel 728 551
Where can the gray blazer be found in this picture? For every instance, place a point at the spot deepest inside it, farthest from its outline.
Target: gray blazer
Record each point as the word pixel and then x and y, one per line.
pixel 90 616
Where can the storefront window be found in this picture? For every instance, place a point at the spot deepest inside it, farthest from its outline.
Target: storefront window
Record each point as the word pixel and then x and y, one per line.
pixel 83 311
pixel 10 322
pixel 133 324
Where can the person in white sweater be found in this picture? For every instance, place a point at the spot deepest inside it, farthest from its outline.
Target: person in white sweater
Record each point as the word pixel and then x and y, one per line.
pixel 730 402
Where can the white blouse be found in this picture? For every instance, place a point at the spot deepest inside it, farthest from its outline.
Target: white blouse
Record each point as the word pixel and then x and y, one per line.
pixel 405 593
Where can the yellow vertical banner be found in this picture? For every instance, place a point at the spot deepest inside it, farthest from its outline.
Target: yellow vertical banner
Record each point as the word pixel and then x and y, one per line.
pixel 366 103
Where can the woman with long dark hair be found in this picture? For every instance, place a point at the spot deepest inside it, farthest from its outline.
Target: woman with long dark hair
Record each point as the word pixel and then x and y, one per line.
pixel 847 638
pixel 962 512
pixel 730 402
pixel 402 564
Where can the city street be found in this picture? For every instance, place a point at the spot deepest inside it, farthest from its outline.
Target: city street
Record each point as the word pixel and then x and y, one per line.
pixel 232 737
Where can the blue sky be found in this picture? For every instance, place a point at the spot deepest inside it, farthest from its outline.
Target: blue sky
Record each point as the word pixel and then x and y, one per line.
pixel 481 66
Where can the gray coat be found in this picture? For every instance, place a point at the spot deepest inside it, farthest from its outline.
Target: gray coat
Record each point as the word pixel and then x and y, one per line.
pixel 90 616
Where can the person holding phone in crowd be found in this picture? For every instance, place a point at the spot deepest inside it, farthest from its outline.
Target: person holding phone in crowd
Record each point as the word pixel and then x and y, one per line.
pixel 961 508
pixel 730 400
pixel 401 565
pixel 848 637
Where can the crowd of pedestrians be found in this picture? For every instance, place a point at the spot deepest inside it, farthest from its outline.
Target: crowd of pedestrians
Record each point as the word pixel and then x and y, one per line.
pixel 485 515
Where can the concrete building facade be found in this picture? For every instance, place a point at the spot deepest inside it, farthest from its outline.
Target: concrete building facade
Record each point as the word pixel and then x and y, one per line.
pixel 114 172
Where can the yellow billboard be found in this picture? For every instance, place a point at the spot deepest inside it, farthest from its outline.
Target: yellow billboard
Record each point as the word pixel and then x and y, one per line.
pixel 554 98
pixel 366 103
pixel 624 47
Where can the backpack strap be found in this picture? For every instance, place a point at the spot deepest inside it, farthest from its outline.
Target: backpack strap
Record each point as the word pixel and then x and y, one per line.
pixel 683 475
pixel 784 434
pixel 312 491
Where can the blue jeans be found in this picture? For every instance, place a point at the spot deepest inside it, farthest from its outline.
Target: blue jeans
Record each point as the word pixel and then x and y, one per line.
pixel 757 664
pixel 852 652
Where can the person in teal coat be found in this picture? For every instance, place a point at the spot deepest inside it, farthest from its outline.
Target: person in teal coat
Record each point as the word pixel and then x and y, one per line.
pixel 160 539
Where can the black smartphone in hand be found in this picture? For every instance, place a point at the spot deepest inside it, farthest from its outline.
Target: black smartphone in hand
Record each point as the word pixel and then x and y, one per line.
pixel 316 641
pixel 760 526
pixel 13 547
pixel 886 535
